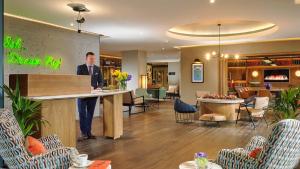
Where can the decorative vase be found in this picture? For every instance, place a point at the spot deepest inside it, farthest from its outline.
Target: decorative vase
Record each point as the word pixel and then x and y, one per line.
pixel 122 85
pixel 201 160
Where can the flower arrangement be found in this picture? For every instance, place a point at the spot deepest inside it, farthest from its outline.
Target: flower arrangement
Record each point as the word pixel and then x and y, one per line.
pixel 122 78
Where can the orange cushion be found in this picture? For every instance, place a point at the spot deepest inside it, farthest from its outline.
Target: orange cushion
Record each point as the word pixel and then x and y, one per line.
pixel 254 153
pixel 34 146
pixel 100 164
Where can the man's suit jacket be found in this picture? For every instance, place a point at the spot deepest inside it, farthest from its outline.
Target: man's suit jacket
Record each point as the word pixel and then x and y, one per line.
pixel 96 80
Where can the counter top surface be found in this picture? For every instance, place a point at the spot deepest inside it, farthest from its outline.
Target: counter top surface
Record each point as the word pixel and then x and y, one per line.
pixel 85 95
pixel 221 101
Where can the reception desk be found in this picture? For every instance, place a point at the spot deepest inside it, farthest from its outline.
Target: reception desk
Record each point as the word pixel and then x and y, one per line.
pixel 58 94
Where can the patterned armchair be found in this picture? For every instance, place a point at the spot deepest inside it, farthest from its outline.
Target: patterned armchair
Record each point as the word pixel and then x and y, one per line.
pixel 13 151
pixel 280 150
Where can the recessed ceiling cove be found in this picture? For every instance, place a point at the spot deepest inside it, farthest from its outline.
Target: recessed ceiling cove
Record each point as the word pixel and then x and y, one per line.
pixel 229 30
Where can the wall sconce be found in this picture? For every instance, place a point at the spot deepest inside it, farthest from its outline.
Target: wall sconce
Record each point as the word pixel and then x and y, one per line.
pixel 297 73
pixel 197 61
pixel 254 73
pixel 144 81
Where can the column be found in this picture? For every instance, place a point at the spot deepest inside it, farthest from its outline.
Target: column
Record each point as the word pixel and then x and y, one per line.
pixel 134 62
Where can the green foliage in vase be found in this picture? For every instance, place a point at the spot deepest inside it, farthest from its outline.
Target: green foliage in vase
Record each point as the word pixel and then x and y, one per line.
pixel 287 104
pixel 25 110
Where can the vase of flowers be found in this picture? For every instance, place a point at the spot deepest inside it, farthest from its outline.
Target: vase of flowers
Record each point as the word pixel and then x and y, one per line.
pixel 122 78
pixel 201 160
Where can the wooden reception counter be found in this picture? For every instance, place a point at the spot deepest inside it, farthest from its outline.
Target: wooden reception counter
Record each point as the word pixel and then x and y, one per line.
pixel 58 94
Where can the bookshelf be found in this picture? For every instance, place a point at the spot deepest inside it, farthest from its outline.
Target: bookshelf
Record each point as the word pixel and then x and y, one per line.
pixel 240 72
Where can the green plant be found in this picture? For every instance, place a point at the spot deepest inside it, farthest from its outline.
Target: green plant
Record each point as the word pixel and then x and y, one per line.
pixel 25 110
pixel 287 104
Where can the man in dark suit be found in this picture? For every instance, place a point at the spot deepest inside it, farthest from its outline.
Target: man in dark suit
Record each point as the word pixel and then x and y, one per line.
pixel 86 106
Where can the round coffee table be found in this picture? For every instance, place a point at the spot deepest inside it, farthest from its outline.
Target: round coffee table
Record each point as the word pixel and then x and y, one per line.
pixel 192 165
pixel 221 107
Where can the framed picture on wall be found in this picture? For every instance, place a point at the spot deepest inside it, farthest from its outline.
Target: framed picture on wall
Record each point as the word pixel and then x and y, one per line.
pixel 197 73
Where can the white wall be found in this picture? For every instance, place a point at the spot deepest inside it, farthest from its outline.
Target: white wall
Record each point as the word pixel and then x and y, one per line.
pixel 174 67
pixel 134 62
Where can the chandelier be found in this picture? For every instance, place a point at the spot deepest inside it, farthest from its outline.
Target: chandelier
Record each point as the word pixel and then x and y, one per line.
pixel 219 53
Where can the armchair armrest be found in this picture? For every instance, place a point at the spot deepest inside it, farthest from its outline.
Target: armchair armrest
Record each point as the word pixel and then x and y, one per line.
pixel 51 142
pixel 256 141
pixel 57 158
pixel 236 159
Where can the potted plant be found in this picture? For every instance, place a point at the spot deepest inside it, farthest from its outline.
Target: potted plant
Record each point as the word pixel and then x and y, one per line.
pixel 25 110
pixel 287 104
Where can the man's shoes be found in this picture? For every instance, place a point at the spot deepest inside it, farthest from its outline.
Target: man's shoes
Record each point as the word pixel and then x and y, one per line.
pixel 91 136
pixel 82 138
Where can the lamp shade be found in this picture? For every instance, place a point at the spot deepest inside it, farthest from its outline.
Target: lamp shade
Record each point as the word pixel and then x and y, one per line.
pixel 144 81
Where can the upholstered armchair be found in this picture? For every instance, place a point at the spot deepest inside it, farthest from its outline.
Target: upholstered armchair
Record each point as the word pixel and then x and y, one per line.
pixel 130 100
pixel 280 150
pixel 12 148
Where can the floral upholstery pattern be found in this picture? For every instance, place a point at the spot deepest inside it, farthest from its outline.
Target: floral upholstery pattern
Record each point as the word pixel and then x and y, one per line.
pixel 280 150
pixel 13 151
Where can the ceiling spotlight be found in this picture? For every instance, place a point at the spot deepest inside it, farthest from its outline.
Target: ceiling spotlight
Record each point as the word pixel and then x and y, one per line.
pixel 71 24
pixel 226 56
pixel 214 53
pixel 212 1
pixel 236 56
pixel 207 56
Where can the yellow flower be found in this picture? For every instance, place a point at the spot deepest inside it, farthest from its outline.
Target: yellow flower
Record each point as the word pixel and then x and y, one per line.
pixel 116 73
pixel 124 75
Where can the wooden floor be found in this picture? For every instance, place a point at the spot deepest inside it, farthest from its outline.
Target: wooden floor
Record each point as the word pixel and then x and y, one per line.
pixel 154 141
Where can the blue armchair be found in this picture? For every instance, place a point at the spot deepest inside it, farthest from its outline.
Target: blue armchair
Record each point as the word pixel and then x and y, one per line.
pixel 13 151
pixel 184 113
pixel 280 150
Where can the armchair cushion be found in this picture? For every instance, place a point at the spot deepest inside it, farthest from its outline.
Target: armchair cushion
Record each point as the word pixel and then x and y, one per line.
pixel 255 153
pixel 34 146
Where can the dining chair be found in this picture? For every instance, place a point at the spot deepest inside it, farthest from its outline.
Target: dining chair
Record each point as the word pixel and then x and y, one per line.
pixel 257 110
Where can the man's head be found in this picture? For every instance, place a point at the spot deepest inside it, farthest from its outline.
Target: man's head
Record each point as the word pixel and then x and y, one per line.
pixel 90 58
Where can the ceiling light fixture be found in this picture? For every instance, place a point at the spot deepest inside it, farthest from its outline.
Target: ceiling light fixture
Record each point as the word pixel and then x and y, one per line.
pixel 77 7
pixel 212 1
pixel 220 54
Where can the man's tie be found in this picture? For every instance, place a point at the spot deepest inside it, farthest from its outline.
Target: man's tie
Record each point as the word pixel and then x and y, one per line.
pixel 90 70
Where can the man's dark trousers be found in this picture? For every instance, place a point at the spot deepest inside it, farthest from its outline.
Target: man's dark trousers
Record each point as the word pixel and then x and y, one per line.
pixel 86 107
